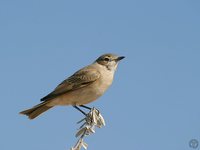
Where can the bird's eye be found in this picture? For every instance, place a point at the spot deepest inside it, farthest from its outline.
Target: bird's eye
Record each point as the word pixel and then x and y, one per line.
pixel 106 59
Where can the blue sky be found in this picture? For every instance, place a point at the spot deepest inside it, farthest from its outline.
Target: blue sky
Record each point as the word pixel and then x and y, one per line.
pixel 154 102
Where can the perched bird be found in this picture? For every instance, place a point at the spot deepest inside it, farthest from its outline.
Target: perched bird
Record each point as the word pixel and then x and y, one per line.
pixel 83 87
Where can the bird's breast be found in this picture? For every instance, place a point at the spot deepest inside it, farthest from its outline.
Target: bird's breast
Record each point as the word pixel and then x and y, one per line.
pixel 105 82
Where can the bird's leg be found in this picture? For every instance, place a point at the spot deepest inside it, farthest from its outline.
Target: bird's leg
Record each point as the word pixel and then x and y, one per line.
pixel 80 110
pixel 85 107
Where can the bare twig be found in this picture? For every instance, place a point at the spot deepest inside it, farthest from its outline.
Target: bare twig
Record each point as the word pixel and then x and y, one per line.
pixel 93 119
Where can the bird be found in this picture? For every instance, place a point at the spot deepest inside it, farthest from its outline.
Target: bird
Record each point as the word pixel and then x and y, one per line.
pixel 83 87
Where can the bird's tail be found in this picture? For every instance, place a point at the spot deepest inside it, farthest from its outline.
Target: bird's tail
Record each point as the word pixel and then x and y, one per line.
pixel 36 110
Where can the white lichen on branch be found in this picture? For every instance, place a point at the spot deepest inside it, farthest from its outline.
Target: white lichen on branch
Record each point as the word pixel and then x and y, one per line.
pixel 93 119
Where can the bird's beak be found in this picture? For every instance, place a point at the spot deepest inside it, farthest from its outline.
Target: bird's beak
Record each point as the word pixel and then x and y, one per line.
pixel 120 58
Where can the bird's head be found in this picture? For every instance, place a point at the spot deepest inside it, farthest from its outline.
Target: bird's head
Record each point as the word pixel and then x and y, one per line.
pixel 110 61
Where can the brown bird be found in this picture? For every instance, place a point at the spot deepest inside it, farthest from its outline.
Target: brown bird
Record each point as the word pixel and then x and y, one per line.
pixel 83 87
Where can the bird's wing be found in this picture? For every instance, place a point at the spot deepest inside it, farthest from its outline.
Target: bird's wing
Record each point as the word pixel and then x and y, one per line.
pixel 81 78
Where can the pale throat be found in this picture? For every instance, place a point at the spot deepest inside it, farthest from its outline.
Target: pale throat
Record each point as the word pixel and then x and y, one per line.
pixel 112 68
